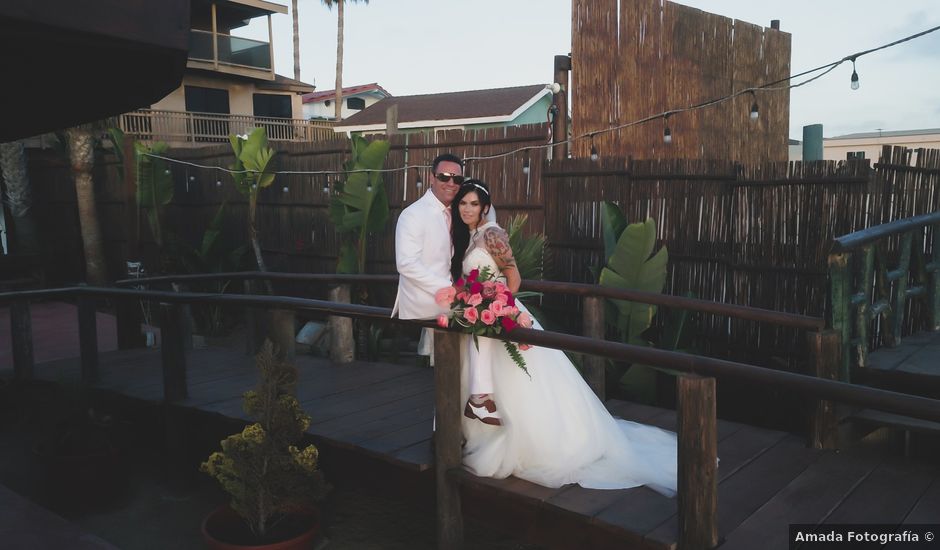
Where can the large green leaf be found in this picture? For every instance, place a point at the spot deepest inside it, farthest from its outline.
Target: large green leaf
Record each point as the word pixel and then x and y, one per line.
pixel 613 222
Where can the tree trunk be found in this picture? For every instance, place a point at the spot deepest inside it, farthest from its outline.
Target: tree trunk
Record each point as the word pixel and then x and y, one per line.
pixel 82 158
pixel 339 59
pixel 293 12
pixel 253 236
pixel 19 197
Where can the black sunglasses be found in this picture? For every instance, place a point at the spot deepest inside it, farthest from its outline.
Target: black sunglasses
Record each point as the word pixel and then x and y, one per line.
pixel 445 177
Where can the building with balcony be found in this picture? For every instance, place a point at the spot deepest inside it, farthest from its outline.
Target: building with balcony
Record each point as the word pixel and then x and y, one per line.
pixel 229 85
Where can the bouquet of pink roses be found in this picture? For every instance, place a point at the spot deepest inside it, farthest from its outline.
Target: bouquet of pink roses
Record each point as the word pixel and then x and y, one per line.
pixel 484 306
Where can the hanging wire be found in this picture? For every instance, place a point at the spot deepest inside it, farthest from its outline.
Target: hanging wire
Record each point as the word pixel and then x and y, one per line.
pixel 770 86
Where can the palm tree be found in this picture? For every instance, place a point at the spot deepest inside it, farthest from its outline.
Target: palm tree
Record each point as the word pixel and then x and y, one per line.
pixel 19 196
pixel 293 13
pixel 81 143
pixel 339 52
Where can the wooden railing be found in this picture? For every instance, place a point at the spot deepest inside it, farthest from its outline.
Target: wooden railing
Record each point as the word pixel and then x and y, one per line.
pixel 865 287
pixel 176 127
pixel 696 400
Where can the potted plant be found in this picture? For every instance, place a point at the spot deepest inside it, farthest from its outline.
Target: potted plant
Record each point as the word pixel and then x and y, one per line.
pixel 274 485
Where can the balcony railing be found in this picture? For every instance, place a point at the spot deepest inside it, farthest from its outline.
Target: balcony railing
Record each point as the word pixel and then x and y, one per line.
pixel 178 127
pixel 229 50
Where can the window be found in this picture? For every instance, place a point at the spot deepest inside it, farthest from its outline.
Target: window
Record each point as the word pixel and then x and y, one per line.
pixel 355 103
pixel 855 155
pixel 206 100
pixel 207 128
pixel 272 105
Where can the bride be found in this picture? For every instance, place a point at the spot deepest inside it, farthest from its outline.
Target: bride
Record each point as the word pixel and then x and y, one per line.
pixel 550 429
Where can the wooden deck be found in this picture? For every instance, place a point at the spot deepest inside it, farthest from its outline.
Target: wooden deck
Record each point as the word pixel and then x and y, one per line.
pixel 767 479
pixel 918 354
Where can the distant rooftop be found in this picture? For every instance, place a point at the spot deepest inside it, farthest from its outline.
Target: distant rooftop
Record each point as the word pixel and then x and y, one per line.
pixel 889 133
pixel 456 107
pixel 315 97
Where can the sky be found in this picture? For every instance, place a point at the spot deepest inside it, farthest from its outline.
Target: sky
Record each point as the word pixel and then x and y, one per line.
pixel 431 46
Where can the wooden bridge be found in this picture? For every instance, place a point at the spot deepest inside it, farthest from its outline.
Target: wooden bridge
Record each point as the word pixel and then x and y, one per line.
pixel 766 479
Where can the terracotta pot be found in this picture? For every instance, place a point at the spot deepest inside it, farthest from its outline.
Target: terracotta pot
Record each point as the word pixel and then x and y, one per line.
pixel 224 529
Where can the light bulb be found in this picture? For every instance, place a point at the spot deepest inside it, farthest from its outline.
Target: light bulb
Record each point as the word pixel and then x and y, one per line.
pixel 418 183
pixel 854 80
pixel 525 166
pixel 369 188
pixel 218 183
pixel 594 154
pixel 754 111
pixel 284 189
pixel 167 171
pixel 667 135
pixel 326 189
pixel 192 178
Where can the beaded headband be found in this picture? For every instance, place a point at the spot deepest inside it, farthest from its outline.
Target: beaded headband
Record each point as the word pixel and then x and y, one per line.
pixel 478 186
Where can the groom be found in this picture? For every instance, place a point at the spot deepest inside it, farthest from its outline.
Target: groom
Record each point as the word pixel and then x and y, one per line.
pixel 423 248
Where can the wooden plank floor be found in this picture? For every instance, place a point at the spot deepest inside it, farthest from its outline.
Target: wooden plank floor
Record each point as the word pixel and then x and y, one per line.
pixel 917 354
pixel 767 479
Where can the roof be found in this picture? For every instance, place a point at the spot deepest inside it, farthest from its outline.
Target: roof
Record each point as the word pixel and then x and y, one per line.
pixel 451 108
pixel 281 82
pixel 315 97
pixel 889 133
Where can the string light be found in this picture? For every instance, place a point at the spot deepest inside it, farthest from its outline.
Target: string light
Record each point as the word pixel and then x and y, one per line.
pixel 284 189
pixel 755 111
pixel 525 165
pixel 667 134
pixel 218 183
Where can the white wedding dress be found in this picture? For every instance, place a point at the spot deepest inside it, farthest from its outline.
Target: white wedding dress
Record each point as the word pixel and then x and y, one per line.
pixel 555 430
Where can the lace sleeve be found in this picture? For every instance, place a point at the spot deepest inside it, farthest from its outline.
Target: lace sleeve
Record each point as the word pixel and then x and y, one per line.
pixel 496 241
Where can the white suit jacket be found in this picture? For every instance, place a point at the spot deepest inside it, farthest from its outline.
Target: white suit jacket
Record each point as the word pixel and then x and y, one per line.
pixel 422 256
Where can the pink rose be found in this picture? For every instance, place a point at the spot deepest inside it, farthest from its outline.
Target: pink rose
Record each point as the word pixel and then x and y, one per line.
pixel 508 324
pixel 445 296
pixel 501 287
pixel 502 298
pixel 475 300
pixel 512 310
pixel 471 315
pixel 462 296
pixel 488 317
pixel 524 320
pixel 524 347
pixel 489 292
pixel 496 308
pixel 442 321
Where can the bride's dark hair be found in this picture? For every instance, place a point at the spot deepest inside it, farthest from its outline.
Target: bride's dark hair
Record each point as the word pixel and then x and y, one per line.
pixel 459 231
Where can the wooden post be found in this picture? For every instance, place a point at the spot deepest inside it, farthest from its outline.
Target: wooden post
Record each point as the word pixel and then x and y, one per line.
pixel 186 318
pixel 933 280
pixel 698 462
pixel 342 347
pixel 839 296
pixel 447 438
pixel 901 276
pixel 88 338
pixel 21 332
pixel 560 102
pixel 282 333
pixel 172 352
pixel 825 352
pixel 391 120
pixel 594 367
